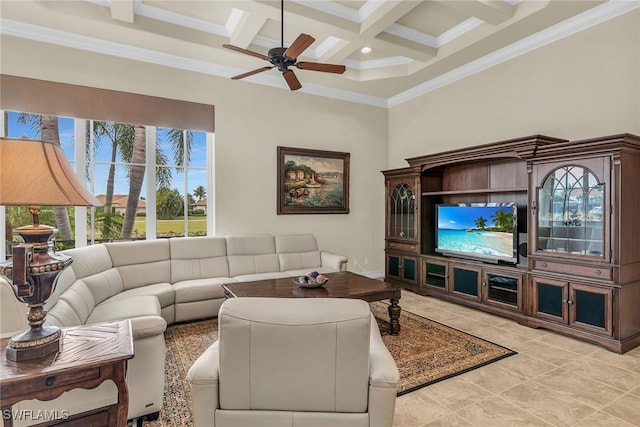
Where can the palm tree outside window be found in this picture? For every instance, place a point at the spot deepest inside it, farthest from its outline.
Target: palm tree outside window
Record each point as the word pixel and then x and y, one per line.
pixel 116 170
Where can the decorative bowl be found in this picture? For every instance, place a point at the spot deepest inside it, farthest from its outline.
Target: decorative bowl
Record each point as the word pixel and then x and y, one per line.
pixel 309 285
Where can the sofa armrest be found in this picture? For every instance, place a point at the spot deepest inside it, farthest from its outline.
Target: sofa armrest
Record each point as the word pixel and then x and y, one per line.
pixel 383 380
pixel 203 377
pixel 383 371
pixel 337 262
pixel 147 326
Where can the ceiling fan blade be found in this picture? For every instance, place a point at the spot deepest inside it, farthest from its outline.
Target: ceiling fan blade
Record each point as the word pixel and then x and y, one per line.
pixel 318 66
pixel 250 73
pixel 246 52
pixel 299 45
pixel 292 80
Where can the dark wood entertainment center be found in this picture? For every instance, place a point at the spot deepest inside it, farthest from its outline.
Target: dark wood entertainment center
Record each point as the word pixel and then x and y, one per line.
pixel 578 228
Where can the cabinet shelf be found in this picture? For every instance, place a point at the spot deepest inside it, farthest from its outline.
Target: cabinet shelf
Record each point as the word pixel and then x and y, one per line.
pixel 476 191
pixel 500 288
pixel 442 276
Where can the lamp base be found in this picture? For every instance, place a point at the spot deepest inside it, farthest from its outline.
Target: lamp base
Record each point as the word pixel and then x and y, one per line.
pixel 34 343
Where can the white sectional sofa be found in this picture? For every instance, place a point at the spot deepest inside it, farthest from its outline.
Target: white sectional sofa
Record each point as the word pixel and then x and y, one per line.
pixel 154 283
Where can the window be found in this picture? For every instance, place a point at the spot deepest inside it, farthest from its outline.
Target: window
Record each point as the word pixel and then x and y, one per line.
pixel 119 160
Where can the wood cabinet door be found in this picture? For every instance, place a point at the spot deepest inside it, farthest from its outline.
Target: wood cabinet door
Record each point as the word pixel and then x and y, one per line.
pixel 402 209
pixel 435 275
pixel 409 267
pixel 402 267
pixel 590 308
pixel 465 281
pixel 502 289
pixel 571 206
pixel 550 298
pixel 393 266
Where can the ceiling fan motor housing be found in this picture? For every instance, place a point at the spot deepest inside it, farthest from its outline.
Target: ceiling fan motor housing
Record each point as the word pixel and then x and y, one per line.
pixel 277 58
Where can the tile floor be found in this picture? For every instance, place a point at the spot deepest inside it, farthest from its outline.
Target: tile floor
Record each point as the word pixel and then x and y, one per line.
pixel 552 381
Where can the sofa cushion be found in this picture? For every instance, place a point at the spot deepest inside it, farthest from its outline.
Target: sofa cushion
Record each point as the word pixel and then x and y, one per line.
pixel 163 291
pixel 87 262
pixel 260 276
pixel 62 314
pixel 198 258
pixel 254 244
pixel 297 251
pixel 79 298
pixel 200 289
pixel 252 254
pixel 252 264
pixel 291 243
pixel 105 284
pixel 141 263
pixel 303 271
pixel 120 309
pixel 297 261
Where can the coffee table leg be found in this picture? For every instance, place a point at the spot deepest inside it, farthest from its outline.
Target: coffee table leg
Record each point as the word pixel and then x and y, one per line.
pixel 394 317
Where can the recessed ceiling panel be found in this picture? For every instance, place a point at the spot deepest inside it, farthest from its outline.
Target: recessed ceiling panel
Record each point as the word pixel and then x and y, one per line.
pixel 354 4
pixel 433 18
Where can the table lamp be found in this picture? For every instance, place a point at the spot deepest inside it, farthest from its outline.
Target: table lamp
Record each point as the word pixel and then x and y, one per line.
pixel 36 173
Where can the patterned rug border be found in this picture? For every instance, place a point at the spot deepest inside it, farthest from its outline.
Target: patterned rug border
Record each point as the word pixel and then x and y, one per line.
pixel 510 353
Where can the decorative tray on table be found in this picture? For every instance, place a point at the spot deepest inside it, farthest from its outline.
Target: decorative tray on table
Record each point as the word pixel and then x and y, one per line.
pixel 311 280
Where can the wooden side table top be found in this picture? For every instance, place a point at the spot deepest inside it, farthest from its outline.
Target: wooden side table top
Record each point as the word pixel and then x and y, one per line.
pixel 89 355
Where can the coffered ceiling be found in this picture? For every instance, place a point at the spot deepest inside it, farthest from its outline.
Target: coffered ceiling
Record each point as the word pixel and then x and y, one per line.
pixel 416 46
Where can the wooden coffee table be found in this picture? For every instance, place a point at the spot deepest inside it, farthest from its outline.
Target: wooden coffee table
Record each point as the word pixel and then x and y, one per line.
pixel 340 285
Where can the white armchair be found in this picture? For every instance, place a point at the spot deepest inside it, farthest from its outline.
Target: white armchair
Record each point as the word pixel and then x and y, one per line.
pixel 295 362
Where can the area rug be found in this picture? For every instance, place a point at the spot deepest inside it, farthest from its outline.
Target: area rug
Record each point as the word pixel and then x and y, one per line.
pixel 425 352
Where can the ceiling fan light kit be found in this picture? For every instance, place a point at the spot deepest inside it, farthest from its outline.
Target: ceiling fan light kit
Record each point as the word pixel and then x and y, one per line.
pixel 282 58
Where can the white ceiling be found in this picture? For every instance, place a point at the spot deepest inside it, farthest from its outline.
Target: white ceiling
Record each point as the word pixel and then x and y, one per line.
pixel 417 46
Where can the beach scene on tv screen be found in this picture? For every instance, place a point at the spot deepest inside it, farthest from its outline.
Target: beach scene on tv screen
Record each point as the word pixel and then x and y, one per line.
pixel 476 230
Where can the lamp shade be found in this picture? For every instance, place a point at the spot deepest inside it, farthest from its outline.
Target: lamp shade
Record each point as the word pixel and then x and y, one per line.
pixel 34 172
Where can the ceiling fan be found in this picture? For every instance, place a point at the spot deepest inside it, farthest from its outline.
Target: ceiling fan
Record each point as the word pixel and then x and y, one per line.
pixel 283 58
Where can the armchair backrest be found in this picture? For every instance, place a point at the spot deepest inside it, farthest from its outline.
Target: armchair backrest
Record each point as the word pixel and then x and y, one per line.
pixel 294 354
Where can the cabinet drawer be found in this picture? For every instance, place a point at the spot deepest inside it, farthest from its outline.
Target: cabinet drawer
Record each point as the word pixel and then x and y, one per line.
pixel 402 246
pixel 581 270
pixel 41 383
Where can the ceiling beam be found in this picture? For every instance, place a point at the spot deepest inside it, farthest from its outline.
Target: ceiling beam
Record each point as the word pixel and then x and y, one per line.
pixel 247 29
pixel 378 20
pixel 492 11
pixel 122 10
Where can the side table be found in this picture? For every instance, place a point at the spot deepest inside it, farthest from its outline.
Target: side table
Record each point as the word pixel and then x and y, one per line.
pixel 89 355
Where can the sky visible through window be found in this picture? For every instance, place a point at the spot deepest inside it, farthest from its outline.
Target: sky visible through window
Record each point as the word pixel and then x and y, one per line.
pixel 196 172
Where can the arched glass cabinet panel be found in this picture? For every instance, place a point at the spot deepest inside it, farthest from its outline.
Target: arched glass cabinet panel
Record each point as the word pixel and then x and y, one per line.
pixel 571 212
pixel 402 214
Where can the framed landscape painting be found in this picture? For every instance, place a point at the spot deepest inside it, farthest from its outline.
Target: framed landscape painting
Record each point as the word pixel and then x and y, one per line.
pixel 312 181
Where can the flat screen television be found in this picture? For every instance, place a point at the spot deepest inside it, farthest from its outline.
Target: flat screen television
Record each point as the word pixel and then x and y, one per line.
pixel 483 231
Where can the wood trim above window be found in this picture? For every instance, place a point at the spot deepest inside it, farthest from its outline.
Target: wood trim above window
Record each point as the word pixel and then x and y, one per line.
pixel 67 100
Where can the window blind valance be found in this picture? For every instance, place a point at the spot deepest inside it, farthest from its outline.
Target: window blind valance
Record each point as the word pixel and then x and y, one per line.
pixel 62 99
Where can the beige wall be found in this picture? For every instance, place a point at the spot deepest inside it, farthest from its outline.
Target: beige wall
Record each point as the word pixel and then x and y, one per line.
pixel 583 86
pixel 251 121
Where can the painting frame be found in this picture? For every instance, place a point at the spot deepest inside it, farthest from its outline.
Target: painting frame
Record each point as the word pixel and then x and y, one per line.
pixel 294 202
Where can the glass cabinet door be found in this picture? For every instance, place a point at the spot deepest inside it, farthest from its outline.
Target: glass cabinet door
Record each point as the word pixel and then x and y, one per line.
pixel 571 213
pixel 402 211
